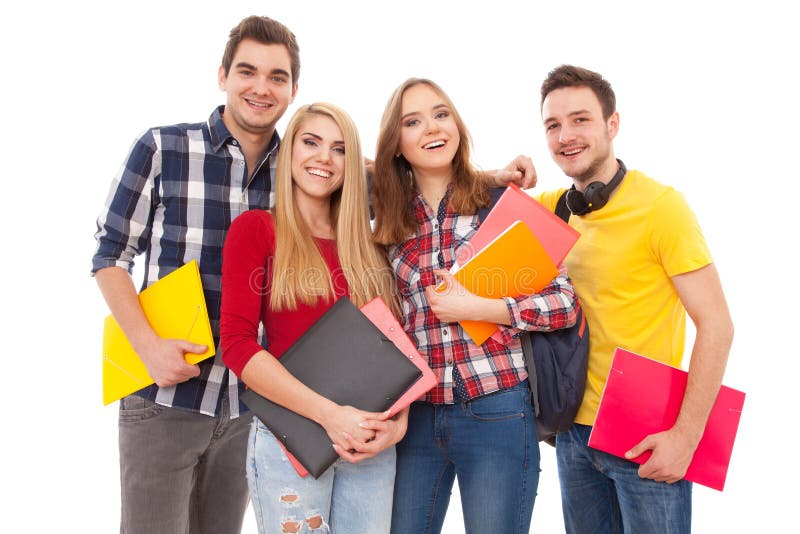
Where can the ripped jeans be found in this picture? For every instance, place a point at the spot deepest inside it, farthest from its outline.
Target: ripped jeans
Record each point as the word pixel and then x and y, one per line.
pixel 346 499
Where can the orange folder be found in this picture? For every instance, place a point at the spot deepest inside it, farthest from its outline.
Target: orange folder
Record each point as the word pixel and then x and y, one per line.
pixel 381 316
pixel 176 308
pixel 513 264
pixel 556 236
pixel 643 397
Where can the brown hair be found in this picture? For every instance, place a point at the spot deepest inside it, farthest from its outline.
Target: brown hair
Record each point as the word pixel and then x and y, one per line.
pixel 264 30
pixel 393 184
pixel 571 76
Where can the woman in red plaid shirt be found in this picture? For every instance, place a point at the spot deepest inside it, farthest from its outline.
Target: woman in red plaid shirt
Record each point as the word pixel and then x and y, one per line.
pixel 477 424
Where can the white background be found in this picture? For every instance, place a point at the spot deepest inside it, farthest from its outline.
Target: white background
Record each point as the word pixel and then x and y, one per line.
pixel 708 100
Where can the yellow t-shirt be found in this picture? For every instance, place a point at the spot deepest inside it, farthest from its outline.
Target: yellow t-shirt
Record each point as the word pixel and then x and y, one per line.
pixel 621 268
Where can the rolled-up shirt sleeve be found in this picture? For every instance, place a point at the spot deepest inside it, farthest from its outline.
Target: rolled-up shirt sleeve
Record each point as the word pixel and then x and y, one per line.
pixel 553 308
pixel 248 246
pixel 125 225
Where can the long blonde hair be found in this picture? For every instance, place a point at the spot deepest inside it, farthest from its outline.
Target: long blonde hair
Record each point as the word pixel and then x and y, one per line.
pixel 300 273
pixel 393 185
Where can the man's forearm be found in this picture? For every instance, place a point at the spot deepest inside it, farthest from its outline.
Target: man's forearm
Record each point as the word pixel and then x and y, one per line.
pixel 120 294
pixel 706 369
pixel 702 295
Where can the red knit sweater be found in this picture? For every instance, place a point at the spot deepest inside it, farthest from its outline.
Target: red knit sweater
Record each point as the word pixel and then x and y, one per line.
pixel 246 281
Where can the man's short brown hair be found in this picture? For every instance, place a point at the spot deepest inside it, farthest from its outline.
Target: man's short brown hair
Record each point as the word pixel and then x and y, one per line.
pixel 264 30
pixel 571 76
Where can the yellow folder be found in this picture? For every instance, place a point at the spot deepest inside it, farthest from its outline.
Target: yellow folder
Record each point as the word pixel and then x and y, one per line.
pixel 176 308
pixel 515 263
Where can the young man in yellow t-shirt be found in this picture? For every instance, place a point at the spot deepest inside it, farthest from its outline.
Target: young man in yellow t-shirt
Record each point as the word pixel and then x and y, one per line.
pixel 640 265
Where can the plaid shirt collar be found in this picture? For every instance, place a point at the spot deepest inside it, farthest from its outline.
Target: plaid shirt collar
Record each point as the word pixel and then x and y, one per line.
pixel 221 136
pixel 421 206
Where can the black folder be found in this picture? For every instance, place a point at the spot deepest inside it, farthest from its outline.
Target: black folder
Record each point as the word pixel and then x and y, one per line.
pixel 344 357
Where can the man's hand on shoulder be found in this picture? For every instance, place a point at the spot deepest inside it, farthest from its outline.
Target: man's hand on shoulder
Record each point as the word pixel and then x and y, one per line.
pixel 520 171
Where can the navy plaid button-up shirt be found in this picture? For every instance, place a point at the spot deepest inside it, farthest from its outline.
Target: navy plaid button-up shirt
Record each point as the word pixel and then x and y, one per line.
pixel 499 362
pixel 173 200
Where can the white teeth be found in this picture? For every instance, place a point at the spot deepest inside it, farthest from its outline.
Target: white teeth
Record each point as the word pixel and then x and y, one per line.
pixel 319 172
pixel 257 104
pixel 572 152
pixel 434 144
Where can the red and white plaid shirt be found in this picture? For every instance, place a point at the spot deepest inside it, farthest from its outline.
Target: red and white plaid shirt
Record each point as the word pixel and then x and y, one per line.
pixel 499 362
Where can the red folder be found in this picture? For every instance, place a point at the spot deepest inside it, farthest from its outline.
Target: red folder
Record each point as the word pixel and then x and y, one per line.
pixel 381 316
pixel 643 397
pixel 556 236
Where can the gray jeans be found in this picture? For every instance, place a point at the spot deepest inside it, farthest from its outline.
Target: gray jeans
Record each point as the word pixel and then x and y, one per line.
pixel 181 472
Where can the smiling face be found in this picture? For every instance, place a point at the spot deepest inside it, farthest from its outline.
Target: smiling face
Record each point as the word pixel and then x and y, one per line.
pixel 429 137
pixel 578 137
pixel 318 158
pixel 259 88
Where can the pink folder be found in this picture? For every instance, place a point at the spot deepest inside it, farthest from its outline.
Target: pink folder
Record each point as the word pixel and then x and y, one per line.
pixel 643 397
pixel 556 236
pixel 381 316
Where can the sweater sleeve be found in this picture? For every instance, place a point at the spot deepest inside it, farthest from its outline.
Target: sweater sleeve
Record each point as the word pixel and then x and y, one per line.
pixel 249 246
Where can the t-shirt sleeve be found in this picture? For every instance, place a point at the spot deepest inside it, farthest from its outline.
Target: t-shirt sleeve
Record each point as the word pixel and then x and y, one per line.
pixel 249 246
pixel 548 199
pixel 676 238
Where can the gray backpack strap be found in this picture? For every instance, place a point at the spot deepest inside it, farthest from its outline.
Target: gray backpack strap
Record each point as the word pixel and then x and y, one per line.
pixel 527 352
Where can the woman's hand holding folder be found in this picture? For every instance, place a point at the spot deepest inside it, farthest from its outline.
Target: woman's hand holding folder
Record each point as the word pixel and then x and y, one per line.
pixel 388 432
pixel 343 425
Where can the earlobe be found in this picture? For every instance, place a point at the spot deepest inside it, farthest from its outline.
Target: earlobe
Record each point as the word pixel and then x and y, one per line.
pixel 294 93
pixel 613 125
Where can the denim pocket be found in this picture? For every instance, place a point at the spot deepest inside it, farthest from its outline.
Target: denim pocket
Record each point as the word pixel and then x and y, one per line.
pixel 133 409
pixel 506 404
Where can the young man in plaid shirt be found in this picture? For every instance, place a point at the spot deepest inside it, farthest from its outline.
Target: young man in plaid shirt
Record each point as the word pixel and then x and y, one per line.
pixel 182 442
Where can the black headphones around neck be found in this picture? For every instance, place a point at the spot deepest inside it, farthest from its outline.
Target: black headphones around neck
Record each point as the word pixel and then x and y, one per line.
pixel 596 194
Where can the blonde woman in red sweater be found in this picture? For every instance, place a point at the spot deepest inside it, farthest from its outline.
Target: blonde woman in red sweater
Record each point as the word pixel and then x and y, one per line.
pixel 283 269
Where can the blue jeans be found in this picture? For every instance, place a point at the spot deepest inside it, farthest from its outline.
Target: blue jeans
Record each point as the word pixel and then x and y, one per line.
pixel 489 443
pixel 601 493
pixel 347 498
